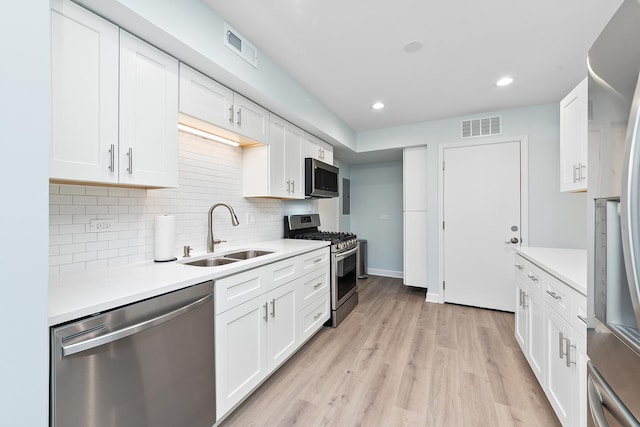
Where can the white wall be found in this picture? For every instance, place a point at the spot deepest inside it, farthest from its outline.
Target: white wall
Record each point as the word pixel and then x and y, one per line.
pixel 24 139
pixel 208 173
pixel 376 191
pixel 555 219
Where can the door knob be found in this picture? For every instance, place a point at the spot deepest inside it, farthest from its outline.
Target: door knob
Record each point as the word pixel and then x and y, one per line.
pixel 513 240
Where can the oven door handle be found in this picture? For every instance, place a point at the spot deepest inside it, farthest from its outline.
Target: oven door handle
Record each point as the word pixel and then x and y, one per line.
pixel 342 255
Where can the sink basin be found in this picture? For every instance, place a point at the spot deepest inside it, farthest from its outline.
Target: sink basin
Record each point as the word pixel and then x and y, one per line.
pixel 247 254
pixel 211 262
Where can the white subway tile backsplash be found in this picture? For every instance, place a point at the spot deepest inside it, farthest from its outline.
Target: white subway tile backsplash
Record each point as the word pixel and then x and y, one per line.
pixel 208 173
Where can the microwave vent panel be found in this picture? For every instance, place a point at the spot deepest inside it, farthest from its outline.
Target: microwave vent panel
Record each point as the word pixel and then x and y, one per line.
pixel 240 45
pixel 484 126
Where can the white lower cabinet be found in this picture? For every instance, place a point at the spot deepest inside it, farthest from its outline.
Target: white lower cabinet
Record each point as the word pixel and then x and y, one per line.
pixel 262 317
pixel 552 338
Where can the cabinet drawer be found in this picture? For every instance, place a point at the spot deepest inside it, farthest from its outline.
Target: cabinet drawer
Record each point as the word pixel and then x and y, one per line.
pixel 313 317
pixel 558 296
pixel 520 265
pixel 234 290
pixel 579 313
pixel 312 260
pixel 313 285
pixel 282 272
pixel 534 276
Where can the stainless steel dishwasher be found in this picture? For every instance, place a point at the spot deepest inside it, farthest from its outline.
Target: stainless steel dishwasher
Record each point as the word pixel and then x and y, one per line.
pixel 146 364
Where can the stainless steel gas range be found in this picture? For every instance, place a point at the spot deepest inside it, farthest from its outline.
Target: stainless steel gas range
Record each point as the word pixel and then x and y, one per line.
pixel 344 261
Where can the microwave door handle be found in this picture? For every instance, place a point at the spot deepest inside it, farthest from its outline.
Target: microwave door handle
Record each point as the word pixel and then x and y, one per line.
pixel 630 203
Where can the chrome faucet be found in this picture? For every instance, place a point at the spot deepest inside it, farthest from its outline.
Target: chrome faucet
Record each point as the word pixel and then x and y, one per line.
pixel 211 242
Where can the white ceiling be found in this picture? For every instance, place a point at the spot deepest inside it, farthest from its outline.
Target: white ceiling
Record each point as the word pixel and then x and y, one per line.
pixel 350 53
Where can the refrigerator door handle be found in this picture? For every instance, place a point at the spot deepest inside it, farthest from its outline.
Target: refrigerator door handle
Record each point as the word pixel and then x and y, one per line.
pixel 630 203
pixel 600 396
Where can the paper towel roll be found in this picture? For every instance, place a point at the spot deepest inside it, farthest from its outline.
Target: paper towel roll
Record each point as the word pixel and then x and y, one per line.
pixel 165 238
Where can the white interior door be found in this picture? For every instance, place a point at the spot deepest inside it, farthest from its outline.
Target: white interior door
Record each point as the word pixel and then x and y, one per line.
pixel 481 213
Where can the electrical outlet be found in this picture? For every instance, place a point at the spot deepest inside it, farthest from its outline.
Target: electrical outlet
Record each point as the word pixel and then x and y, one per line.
pixel 384 216
pixel 102 225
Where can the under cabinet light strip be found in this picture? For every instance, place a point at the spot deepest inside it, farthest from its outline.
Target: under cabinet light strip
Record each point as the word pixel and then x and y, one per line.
pixel 206 135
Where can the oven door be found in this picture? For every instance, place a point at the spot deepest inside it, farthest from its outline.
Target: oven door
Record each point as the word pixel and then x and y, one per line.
pixel 344 282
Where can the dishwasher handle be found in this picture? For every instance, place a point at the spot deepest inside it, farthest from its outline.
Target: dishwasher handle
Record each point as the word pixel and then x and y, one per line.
pixel 70 349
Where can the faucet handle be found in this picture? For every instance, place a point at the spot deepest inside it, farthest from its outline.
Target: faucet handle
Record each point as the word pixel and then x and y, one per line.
pixel 187 251
pixel 218 241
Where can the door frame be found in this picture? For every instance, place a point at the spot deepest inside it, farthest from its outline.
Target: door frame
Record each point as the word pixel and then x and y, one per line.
pixel 524 195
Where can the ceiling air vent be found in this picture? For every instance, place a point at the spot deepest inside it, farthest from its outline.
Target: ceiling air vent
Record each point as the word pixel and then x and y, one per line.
pixel 484 126
pixel 238 44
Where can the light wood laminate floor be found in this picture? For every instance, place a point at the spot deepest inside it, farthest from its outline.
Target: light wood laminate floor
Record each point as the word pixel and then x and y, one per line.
pixel 399 361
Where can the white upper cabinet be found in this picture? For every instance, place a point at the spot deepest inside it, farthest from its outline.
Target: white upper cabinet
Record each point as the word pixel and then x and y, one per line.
pixel 84 95
pixel 250 119
pixel 114 104
pixel 148 114
pixel 317 149
pixel 573 139
pixel 204 98
pixel 276 169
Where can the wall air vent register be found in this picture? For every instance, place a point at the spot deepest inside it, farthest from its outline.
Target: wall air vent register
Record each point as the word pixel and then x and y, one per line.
pixel 240 46
pixel 484 126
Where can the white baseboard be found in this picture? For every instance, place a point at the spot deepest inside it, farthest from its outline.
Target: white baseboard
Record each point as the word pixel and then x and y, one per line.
pixel 432 297
pixel 385 273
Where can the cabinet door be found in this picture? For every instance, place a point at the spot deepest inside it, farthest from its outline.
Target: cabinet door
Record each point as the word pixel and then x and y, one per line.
pixel 573 139
pixel 560 388
pixel 581 410
pixel 312 147
pixel 535 332
pixel 293 162
pixel 282 325
pixel 84 95
pixel 251 120
pixel 241 360
pixel 521 315
pixel 204 98
pixel 148 114
pixel 415 249
pixel 414 171
pixel 276 170
pixel 327 153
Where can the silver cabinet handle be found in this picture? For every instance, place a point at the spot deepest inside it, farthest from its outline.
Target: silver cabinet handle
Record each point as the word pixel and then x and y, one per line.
pixel 568 347
pixel 317 260
pixel 70 349
pixel 532 277
pixel 266 312
pixel 317 315
pixel 519 267
pixel 112 160
pixel 231 115
pixel 130 154
pixel 582 319
pixel 583 168
pixel 524 300
pixel 273 307
pixel 239 117
pixel 560 344
pixel 575 173
pixel 317 285
pixel 520 299
pixel 554 296
pixel 293 186
pixel 288 186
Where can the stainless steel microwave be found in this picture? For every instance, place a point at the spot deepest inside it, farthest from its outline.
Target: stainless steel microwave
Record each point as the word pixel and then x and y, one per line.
pixel 320 179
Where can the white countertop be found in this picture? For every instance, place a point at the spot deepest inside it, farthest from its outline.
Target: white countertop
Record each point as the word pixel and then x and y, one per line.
pixel 568 265
pixel 75 295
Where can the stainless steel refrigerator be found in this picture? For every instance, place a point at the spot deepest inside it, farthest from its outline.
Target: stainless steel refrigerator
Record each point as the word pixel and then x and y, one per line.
pixel 613 334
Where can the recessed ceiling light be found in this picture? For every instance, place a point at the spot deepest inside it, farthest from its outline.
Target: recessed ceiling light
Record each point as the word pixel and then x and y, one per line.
pixel 505 81
pixel 378 106
pixel 413 46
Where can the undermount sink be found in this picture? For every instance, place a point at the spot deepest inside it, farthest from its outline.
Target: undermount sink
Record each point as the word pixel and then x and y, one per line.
pixel 211 262
pixel 227 258
pixel 247 254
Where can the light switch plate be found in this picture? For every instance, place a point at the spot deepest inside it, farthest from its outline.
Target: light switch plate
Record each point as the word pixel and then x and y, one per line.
pixel 102 225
